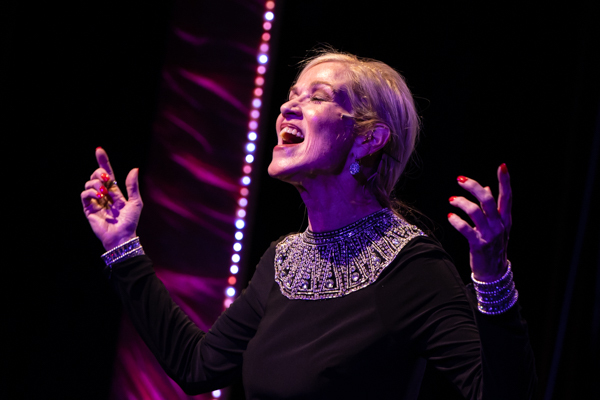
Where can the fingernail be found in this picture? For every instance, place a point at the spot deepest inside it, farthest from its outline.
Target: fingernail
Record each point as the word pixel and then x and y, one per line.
pixel 98 148
pixel 452 199
pixel 103 190
pixel 99 195
pixel 105 177
pixel 503 168
pixel 450 214
pixel 462 179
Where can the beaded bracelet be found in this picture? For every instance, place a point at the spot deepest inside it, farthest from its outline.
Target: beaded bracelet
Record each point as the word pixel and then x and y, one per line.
pixel 495 297
pixel 498 296
pixel 499 308
pixel 495 285
pixel 129 249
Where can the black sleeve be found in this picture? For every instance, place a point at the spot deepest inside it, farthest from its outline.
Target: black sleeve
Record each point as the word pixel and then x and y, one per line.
pixel 506 355
pixel 484 356
pixel 197 361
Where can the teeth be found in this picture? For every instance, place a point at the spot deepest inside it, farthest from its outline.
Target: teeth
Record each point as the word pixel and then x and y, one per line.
pixel 292 131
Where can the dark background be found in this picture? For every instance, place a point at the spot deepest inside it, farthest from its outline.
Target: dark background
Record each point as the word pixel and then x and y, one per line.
pixel 514 84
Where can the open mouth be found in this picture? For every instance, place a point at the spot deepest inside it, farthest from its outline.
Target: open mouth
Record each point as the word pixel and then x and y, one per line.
pixel 291 135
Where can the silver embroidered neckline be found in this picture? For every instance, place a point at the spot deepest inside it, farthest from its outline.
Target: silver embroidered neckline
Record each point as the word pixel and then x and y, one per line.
pixel 317 266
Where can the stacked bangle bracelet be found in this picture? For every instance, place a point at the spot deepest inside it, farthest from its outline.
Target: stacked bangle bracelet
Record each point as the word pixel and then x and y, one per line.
pixel 498 296
pixel 129 249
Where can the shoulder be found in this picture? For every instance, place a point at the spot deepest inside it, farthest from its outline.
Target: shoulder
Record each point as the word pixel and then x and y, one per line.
pixel 422 287
pixel 269 255
pixel 422 248
pixel 265 267
pixel 423 266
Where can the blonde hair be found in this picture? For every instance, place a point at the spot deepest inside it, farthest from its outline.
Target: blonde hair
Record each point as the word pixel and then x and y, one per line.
pixel 378 95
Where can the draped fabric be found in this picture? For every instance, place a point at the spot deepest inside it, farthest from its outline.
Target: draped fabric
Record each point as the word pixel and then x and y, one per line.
pixel 192 185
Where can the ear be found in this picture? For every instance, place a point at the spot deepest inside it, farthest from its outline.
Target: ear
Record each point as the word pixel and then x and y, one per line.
pixel 372 141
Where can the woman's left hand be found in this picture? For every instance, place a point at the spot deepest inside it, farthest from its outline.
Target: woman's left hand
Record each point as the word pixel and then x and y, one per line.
pixel 488 240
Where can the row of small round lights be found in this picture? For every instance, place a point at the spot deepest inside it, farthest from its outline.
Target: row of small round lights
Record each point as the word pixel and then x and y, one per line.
pixel 240 221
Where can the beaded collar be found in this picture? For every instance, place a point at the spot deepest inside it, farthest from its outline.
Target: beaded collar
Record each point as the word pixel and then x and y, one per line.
pixel 317 266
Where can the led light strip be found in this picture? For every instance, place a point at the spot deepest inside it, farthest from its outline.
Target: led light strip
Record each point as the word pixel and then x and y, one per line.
pixel 240 222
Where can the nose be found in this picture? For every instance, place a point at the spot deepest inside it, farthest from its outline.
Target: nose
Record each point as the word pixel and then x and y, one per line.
pixel 291 108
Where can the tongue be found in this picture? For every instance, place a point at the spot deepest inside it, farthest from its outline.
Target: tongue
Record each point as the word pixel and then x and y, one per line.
pixel 288 138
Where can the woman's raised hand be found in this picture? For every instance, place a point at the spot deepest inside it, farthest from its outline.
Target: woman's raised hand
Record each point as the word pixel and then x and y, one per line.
pixel 113 218
pixel 488 240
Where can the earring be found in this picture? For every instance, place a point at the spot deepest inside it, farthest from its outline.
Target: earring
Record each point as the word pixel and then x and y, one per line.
pixel 355 167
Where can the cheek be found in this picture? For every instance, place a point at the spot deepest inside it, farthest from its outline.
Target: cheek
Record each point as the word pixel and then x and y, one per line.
pixel 327 125
pixel 278 121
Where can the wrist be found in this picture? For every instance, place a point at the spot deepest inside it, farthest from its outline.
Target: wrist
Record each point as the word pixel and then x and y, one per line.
pixel 116 242
pixel 485 277
pixel 128 249
pixel 497 296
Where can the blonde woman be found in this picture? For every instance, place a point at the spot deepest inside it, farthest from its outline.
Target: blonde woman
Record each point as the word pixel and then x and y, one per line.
pixel 361 302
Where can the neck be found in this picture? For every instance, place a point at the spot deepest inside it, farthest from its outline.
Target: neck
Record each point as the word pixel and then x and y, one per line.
pixel 332 206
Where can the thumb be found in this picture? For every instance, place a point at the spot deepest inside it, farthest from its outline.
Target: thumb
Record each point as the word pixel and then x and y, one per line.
pixel 133 186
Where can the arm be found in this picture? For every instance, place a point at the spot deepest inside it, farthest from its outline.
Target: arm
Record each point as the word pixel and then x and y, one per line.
pixel 425 304
pixel 506 355
pixel 197 361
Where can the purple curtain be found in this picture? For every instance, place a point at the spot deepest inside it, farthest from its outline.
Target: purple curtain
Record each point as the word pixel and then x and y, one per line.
pixel 192 187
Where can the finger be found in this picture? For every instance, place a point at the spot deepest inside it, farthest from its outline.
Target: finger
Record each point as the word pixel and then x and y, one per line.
pixel 505 196
pixel 90 198
pixel 93 184
pixel 103 162
pixel 101 179
pixel 133 187
pixel 100 173
pixel 461 226
pixel 99 187
pixel 483 195
pixel 472 210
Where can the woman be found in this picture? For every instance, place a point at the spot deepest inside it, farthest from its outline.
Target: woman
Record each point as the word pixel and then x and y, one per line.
pixel 356 306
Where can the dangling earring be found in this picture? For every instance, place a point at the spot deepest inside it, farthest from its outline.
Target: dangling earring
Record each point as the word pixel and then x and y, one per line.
pixel 355 167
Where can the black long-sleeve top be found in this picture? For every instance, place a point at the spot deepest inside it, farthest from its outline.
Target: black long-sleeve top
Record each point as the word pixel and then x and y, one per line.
pixel 370 344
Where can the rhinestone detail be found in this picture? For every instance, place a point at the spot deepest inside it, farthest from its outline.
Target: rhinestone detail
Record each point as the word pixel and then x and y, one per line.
pixel 317 266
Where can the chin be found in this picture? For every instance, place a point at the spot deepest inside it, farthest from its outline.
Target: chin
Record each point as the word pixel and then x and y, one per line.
pixel 279 170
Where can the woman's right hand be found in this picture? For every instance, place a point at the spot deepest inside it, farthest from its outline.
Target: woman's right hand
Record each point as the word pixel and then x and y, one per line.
pixel 113 218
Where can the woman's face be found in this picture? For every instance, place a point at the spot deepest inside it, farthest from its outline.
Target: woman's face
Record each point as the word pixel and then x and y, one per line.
pixel 313 139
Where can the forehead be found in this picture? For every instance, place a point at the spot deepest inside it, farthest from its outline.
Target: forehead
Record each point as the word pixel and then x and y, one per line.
pixel 333 73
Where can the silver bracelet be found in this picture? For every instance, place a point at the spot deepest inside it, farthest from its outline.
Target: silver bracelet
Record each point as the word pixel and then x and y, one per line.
pixel 495 297
pixel 495 285
pixel 498 296
pixel 129 249
pixel 499 308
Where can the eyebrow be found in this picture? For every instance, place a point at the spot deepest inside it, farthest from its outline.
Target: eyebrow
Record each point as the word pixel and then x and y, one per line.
pixel 315 83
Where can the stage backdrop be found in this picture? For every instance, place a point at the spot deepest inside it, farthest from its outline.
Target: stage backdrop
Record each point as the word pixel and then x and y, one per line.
pixel 197 185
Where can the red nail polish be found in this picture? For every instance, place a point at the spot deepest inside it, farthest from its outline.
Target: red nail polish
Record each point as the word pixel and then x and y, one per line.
pixel 450 214
pixel 103 190
pixel 105 177
pixel 452 199
pixel 99 195
pixel 98 148
pixel 503 168
pixel 462 179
